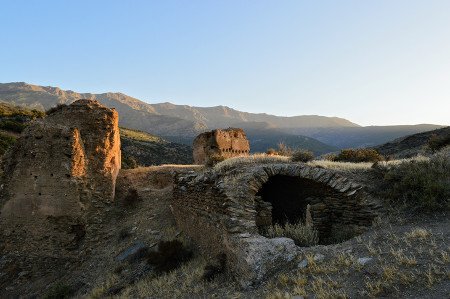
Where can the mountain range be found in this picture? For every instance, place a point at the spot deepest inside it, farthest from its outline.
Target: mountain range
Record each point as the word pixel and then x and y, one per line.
pixel 181 123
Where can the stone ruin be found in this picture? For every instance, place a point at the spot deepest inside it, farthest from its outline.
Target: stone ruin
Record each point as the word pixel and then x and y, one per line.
pixel 59 176
pixel 224 143
pixel 224 211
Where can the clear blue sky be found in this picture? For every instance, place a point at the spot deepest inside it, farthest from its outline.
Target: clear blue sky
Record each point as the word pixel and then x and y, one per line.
pixel 372 62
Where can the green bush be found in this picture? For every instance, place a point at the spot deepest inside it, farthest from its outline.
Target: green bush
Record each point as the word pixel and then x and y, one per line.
pixel 358 155
pixel 436 142
pixel 5 142
pixel 14 126
pixel 59 291
pixel 303 235
pixel 302 156
pixel 421 185
pixel 129 162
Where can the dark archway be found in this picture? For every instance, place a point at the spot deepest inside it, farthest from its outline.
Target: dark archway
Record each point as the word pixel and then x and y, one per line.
pixel 289 197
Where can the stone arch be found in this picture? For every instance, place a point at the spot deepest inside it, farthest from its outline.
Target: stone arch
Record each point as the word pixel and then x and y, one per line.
pixel 333 199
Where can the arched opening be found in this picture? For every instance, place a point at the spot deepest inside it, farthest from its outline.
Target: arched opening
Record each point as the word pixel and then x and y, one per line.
pixel 287 200
pixel 289 197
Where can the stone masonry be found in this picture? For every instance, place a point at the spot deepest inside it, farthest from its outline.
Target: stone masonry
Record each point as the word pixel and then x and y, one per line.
pixel 225 143
pixel 59 175
pixel 223 210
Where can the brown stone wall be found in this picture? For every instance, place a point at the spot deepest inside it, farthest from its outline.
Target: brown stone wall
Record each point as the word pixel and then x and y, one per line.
pixel 226 143
pixel 222 212
pixel 59 174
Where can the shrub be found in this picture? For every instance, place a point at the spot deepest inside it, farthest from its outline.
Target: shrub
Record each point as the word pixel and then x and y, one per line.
pixel 59 291
pixel 358 155
pixel 302 156
pixel 211 271
pixel 5 142
pixel 420 184
pixel 436 142
pixel 13 126
pixel 129 162
pixel 271 152
pixel 284 150
pixel 55 109
pixel 303 235
pixel 214 159
pixel 132 197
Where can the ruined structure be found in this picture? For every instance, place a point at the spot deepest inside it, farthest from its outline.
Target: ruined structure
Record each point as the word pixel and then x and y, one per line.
pixel 225 210
pixel 59 175
pixel 225 143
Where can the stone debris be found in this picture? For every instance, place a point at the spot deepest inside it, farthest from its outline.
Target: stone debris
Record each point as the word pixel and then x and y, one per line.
pixel 364 260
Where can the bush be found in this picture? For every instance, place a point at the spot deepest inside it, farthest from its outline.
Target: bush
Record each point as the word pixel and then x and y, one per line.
pixel 5 142
pixel 302 156
pixel 55 109
pixel 132 197
pixel 436 142
pixel 303 235
pixel 59 291
pixel 359 155
pixel 13 126
pixel 214 159
pixel 129 162
pixel 421 185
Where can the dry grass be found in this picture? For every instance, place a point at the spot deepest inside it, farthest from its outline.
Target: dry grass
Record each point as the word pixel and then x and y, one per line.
pixel 341 165
pixel 234 162
pixel 303 235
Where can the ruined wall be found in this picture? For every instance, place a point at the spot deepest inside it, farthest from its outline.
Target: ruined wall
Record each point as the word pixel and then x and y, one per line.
pixel 226 143
pixel 59 175
pixel 222 212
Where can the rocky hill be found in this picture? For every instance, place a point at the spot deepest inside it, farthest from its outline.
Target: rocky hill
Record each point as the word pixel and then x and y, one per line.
pixel 415 144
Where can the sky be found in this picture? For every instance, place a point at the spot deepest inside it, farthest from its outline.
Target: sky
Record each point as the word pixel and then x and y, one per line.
pixel 383 62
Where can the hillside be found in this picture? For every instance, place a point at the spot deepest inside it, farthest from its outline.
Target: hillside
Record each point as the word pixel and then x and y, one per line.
pixel 412 145
pixel 150 150
pixel 351 137
pixel 13 121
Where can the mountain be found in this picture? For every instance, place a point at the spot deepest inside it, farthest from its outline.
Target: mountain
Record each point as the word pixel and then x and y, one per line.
pixel 222 116
pixel 413 145
pixel 162 118
pixel 264 135
pixel 133 112
pixel 181 123
pixel 354 137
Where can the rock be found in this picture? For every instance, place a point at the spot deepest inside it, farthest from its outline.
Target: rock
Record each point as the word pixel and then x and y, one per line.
pixel 318 257
pixel 131 252
pixel 257 257
pixel 364 260
pixel 224 143
pixel 303 264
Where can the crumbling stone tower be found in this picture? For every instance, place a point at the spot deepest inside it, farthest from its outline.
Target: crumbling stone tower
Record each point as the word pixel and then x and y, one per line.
pixel 225 143
pixel 59 175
